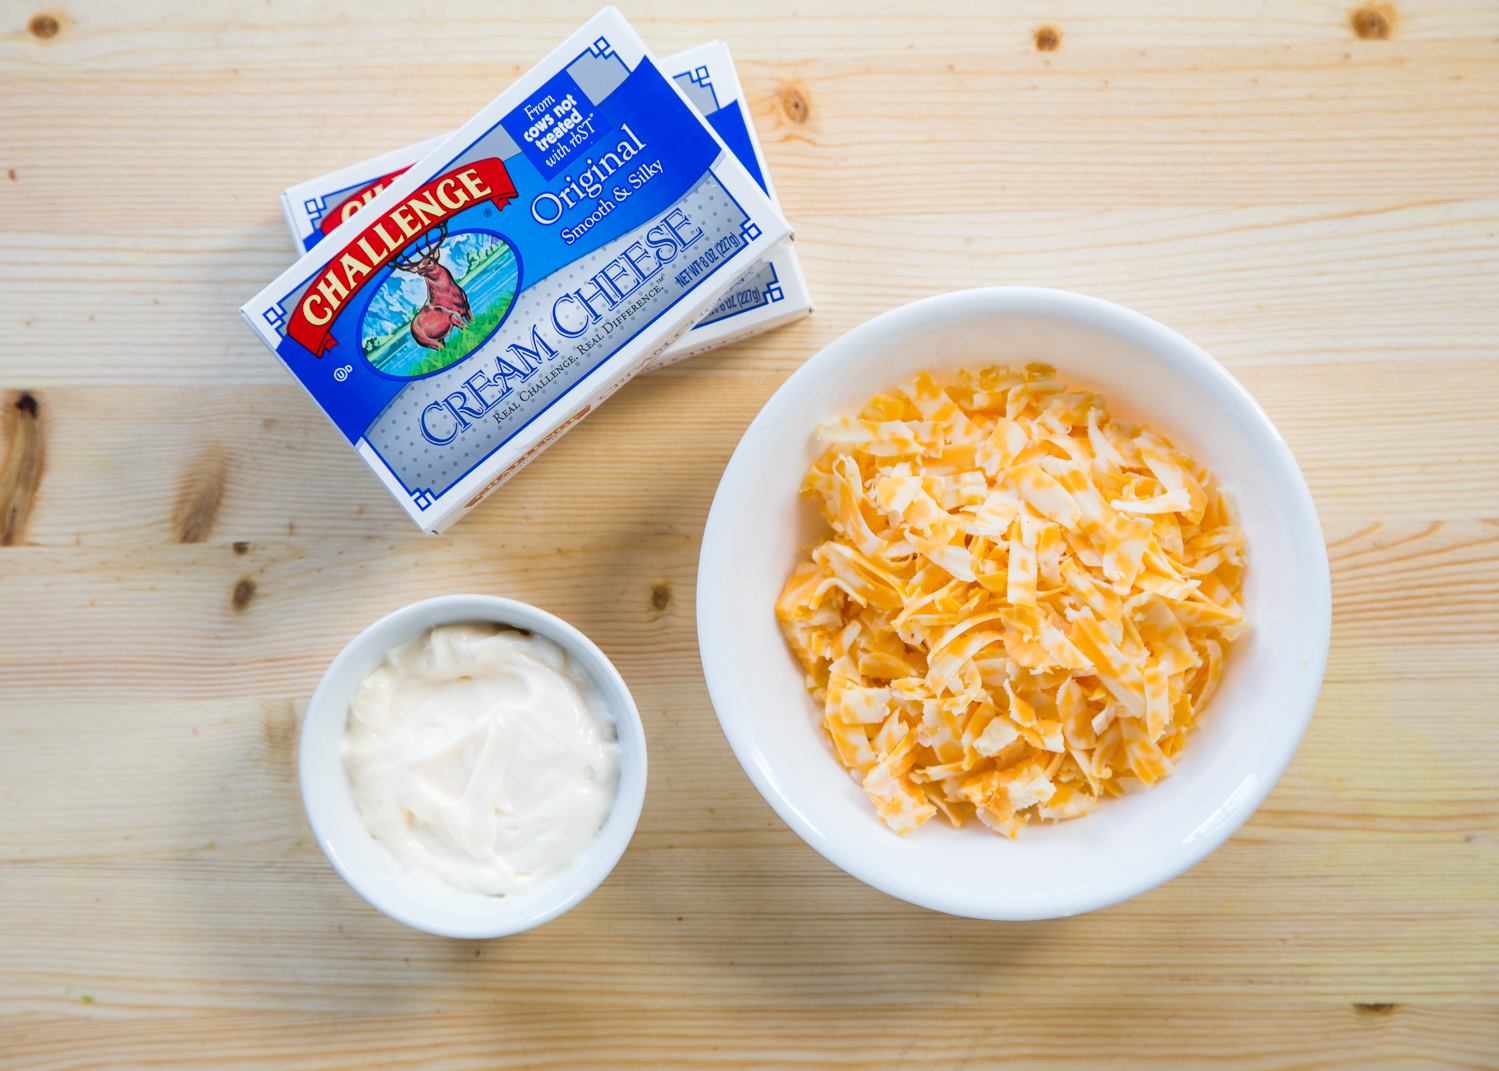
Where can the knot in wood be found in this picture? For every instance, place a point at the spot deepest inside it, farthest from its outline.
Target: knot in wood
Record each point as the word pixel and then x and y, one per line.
pixel 1374 22
pixel 244 591
pixel 20 469
pixel 795 103
pixel 44 27
pixel 200 497
pixel 1048 39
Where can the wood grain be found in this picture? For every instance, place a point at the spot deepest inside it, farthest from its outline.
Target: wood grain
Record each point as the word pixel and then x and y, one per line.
pixel 1123 1038
pixel 1320 212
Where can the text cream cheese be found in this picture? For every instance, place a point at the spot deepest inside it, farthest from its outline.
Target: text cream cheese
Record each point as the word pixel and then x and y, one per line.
pixel 482 757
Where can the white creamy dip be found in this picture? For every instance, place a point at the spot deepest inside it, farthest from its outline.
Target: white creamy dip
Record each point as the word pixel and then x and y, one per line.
pixel 482 757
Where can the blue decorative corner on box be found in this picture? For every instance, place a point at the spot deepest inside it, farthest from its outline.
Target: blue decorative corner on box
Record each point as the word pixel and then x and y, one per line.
pixel 700 76
pixel 275 316
pixel 601 48
pixel 750 230
pixel 423 498
pixel 314 208
pixel 774 293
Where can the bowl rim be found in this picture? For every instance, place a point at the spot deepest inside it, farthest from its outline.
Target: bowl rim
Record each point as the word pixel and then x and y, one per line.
pixel 1181 356
pixel 583 874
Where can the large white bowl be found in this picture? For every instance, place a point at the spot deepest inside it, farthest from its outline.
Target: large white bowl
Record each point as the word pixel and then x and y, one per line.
pixel 758 529
pixel 373 872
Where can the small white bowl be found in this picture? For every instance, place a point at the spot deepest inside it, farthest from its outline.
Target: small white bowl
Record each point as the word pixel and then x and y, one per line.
pixel 373 872
pixel 758 529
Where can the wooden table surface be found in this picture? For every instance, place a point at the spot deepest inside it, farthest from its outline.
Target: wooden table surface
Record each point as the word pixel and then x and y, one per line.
pixel 188 541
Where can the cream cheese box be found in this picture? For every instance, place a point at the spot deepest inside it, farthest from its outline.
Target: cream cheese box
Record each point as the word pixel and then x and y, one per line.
pixel 776 294
pixel 530 264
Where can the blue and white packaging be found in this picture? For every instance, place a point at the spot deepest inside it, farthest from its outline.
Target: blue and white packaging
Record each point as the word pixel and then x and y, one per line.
pixel 530 264
pixel 776 294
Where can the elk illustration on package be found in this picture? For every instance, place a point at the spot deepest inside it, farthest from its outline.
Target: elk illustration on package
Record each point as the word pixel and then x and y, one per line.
pixel 515 276
pixel 446 306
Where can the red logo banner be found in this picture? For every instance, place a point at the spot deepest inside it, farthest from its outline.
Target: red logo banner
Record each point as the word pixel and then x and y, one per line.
pixel 357 200
pixel 382 241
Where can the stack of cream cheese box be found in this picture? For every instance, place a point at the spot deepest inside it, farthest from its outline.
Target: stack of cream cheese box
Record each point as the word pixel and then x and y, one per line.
pixel 463 302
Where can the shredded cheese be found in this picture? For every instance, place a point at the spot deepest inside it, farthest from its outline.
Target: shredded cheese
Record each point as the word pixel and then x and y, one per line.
pixel 1024 607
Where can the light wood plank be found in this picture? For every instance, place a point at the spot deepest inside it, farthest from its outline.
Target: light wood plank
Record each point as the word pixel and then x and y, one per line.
pixel 172 627
pixel 157 34
pixel 1263 286
pixel 1373 439
pixel 1124 1037
pixel 1394 123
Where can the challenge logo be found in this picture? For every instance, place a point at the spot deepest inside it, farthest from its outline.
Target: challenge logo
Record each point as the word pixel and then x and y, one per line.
pixel 395 235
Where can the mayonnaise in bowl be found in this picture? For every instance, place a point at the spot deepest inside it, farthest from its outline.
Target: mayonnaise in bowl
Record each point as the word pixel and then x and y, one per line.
pixel 482 757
